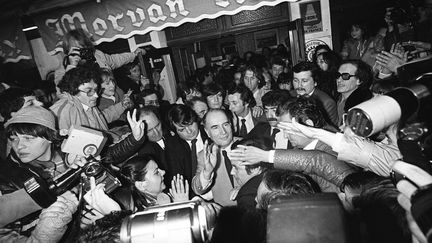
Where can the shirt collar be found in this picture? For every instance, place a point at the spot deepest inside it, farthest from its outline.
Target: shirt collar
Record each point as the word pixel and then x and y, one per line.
pixel 86 107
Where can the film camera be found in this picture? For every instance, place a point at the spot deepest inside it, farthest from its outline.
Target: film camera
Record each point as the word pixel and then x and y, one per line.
pixel 81 141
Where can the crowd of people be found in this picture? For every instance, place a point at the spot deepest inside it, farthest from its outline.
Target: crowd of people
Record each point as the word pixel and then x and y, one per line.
pixel 238 138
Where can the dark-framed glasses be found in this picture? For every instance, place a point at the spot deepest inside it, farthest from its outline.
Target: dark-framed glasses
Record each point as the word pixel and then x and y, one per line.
pixel 90 92
pixel 345 76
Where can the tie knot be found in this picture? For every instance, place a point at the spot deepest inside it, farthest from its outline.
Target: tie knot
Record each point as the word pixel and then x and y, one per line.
pixel 276 130
pixel 194 141
pixel 243 120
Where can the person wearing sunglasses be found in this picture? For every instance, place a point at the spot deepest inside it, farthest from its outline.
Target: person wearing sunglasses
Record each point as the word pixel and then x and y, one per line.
pixel 353 80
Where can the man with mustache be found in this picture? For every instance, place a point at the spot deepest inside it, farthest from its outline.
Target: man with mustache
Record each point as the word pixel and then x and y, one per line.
pixel 305 82
pixel 272 102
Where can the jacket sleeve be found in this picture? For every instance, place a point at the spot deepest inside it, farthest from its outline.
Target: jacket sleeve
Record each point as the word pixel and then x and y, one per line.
pixel 115 61
pixel 331 109
pixel 313 162
pixel 199 184
pixel 10 210
pixel 119 152
pixel 377 157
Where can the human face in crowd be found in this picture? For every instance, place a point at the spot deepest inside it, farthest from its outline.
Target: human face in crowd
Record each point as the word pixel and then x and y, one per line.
pixel 200 109
pixel 151 99
pixel 240 174
pixel 237 78
pixel 135 74
pixel 108 86
pixel 154 127
pixel 304 83
pixel 250 80
pixel 88 94
pixel 237 105
pixel 29 148
pixel 297 141
pixel 321 63
pixel 285 86
pixel 276 70
pixel 218 127
pixel 356 32
pixel 267 79
pixel 215 101
pixel 188 132
pixel 153 179
pixel 261 191
pixel 270 113
pixel 346 87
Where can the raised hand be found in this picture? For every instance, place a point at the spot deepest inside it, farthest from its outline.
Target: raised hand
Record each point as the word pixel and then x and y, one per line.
pixel 137 126
pixel 418 180
pixel 296 128
pixel 75 161
pixel 179 189
pixel 98 200
pixel 210 159
pixel 257 111
pixel 390 61
pixel 127 101
pixel 249 155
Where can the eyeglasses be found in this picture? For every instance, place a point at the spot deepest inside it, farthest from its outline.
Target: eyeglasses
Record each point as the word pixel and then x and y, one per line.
pixel 345 76
pixel 91 92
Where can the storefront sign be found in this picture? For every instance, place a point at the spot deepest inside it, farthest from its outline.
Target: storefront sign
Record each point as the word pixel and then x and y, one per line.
pixel 311 15
pixel 112 19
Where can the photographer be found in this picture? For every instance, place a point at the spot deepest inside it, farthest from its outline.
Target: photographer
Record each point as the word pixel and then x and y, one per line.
pixel 34 161
pixel 79 50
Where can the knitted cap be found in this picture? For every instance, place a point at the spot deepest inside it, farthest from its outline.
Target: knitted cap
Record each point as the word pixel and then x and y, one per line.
pixel 35 115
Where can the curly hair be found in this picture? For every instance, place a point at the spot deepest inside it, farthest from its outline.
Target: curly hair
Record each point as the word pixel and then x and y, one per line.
pixel 78 76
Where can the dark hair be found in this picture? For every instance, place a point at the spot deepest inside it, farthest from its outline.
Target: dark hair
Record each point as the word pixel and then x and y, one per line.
pixel 12 100
pixel 81 36
pixel 332 59
pixel 212 89
pixel 364 72
pixel 245 94
pixel 360 181
pixel 107 72
pixel 285 182
pixel 194 100
pixel 304 108
pixel 147 92
pixel 384 218
pixel 186 88
pixel 181 115
pixel 284 78
pixel 277 61
pixel 363 28
pixel 34 130
pixel 134 170
pixel 275 97
pixel 307 66
pixel 317 48
pixel 283 108
pixel 76 77
pixel 264 143
pixel 128 66
pixel 258 74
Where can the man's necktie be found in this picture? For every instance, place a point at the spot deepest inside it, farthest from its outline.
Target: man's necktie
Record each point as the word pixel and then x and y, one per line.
pixel 228 166
pixel 273 135
pixel 194 156
pixel 243 130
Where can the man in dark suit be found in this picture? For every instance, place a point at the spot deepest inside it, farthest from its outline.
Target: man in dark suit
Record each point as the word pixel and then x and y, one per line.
pixel 187 143
pixel 305 82
pixel 158 139
pixel 272 101
pixel 241 102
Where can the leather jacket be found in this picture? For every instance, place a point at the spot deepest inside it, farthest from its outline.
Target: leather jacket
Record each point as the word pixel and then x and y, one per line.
pixel 323 167
pixel 119 152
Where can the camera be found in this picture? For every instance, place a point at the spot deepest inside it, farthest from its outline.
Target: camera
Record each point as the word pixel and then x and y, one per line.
pixel 176 222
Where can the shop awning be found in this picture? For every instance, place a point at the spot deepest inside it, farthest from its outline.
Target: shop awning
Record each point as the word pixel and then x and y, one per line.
pixel 112 19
